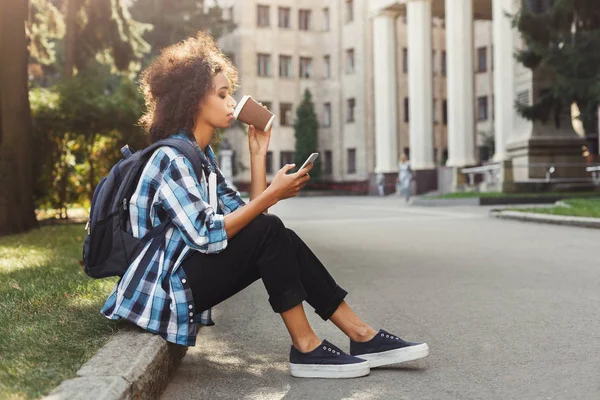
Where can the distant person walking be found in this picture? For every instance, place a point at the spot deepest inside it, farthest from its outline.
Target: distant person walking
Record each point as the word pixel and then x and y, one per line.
pixel 381 184
pixel 405 176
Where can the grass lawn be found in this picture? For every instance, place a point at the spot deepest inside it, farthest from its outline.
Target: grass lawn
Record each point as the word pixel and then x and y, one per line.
pixel 463 195
pixel 575 208
pixel 49 311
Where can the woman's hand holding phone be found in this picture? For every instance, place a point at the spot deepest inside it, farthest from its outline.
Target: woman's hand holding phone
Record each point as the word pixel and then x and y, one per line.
pixel 286 185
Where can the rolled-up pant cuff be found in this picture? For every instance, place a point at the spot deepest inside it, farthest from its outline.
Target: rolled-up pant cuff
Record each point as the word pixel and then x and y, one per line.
pixel 332 303
pixel 288 300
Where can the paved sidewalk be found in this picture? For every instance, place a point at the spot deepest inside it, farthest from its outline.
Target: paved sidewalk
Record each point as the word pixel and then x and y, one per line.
pixel 509 310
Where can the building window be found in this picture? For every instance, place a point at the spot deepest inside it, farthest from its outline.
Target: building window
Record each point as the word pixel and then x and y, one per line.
pixel 482 59
pixel 482 103
pixel 434 112
pixel 262 17
pixel 433 67
pixel 349 10
pixel 350 61
pixel 284 17
pixel 328 163
pixel 327 114
pixel 351 161
pixel 264 65
pixel 326 19
pixel 286 157
pixel 304 20
pixel 445 112
pixel 305 67
pixel 285 111
pixel 269 162
pixel 523 98
pixel 443 63
pixel 350 112
pixel 285 66
pixel 327 67
pixel 406 110
pixel 405 60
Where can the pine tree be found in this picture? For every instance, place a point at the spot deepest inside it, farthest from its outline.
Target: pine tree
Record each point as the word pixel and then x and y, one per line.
pixel 306 129
pixel 562 39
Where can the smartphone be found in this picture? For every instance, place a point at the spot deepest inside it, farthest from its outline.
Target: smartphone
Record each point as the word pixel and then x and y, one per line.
pixel 309 160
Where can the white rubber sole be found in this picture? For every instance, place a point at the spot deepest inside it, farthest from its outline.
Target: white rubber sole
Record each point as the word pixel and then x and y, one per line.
pixel 396 356
pixel 330 371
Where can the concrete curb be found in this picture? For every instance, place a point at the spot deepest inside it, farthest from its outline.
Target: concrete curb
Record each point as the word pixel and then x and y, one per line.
pixel 583 222
pixel 482 201
pixel 134 364
pixel 428 202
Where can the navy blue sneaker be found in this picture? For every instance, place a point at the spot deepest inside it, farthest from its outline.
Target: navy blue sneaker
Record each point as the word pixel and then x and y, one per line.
pixel 386 349
pixel 326 361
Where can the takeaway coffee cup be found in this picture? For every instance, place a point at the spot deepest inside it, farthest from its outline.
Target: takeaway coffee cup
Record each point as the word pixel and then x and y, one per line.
pixel 250 112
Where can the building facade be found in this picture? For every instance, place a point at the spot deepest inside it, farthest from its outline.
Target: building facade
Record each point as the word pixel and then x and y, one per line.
pixel 340 51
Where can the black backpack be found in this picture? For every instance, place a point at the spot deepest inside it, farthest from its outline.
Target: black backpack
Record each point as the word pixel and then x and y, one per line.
pixel 109 249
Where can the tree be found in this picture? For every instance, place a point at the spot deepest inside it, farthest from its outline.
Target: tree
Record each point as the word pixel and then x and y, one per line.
pixel 16 176
pixel 306 129
pixel 104 30
pixel 562 39
pixel 174 20
pixel 45 25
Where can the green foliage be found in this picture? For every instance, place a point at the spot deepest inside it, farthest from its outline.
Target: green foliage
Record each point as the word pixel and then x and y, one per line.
pixel 44 27
pixel 80 123
pixel 106 32
pixel 562 43
pixel 79 127
pixel 589 208
pixel 174 20
pixel 49 311
pixel 306 129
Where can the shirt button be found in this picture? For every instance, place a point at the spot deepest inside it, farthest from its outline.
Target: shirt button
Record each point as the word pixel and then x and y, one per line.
pixel 183 280
pixel 191 314
pixel 192 320
pixel 190 306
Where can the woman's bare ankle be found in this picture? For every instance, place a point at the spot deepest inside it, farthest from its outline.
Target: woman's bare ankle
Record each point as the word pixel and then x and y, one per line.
pixel 306 345
pixel 363 334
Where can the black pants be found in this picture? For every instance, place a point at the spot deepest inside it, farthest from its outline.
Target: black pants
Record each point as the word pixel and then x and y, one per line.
pixel 265 249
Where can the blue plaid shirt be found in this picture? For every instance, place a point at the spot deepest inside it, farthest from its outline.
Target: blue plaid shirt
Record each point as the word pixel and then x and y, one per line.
pixel 162 302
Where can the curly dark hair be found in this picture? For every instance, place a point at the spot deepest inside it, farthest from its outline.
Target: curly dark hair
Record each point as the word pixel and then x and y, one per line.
pixel 177 82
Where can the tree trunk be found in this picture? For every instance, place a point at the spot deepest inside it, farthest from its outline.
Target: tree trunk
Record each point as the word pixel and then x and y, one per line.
pixel 16 174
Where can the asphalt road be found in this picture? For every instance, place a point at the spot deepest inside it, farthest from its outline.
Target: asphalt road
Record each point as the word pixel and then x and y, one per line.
pixel 510 310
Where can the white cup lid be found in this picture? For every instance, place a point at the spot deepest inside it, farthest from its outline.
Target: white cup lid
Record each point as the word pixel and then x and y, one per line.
pixel 240 105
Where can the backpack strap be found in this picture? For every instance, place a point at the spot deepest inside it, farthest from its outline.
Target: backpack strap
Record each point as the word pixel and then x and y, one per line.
pixel 158 233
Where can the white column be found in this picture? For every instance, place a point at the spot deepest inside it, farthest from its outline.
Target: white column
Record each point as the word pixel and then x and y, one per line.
pixel 460 77
pixel 504 76
pixel 386 103
pixel 420 84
